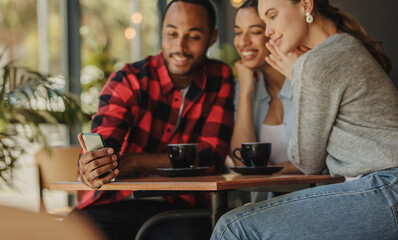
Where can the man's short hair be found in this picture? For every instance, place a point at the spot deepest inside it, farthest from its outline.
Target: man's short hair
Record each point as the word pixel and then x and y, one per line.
pixel 211 12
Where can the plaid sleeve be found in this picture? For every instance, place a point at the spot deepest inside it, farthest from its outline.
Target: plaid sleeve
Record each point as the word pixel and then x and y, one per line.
pixel 112 119
pixel 216 132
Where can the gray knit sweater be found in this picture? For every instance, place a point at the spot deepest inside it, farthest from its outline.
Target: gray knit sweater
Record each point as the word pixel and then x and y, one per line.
pixel 346 111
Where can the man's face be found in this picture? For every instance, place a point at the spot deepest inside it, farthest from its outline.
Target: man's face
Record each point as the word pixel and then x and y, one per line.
pixel 185 38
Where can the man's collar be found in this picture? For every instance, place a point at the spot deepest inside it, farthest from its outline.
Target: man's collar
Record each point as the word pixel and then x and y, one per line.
pixel 164 78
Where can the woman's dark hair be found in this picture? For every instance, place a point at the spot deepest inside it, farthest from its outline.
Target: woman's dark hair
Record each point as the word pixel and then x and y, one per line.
pixel 249 3
pixel 348 24
pixel 211 12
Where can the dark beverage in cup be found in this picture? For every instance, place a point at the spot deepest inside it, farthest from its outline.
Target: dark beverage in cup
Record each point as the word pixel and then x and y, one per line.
pixel 255 154
pixel 182 155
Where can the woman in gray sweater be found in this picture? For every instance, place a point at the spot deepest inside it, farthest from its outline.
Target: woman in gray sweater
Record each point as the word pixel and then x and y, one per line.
pixel 346 119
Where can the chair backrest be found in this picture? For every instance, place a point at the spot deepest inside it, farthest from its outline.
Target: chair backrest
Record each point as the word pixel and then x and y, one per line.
pixel 59 165
pixel 21 224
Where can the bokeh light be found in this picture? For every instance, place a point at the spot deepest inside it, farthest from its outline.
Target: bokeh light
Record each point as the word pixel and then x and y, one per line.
pixel 130 33
pixel 136 18
pixel 236 3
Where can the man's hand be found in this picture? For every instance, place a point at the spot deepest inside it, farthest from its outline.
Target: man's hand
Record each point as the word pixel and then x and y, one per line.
pixel 95 163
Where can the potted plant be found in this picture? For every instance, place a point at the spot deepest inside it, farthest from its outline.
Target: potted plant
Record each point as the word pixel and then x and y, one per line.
pixel 28 99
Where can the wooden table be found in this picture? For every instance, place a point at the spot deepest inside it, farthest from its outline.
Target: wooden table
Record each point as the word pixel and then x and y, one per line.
pixel 217 185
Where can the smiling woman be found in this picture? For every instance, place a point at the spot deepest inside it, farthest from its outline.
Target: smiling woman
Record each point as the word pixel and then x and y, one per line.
pixel 263 99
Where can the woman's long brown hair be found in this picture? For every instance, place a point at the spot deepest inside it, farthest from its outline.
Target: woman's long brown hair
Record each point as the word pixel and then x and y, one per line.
pixel 346 23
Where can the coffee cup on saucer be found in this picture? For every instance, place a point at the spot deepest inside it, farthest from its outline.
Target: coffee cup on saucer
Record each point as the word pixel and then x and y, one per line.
pixel 254 154
pixel 182 155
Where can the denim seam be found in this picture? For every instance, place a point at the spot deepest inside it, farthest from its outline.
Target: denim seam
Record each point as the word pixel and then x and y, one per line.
pixel 329 194
pixel 296 199
pixel 227 227
pixel 393 183
pixel 391 187
pixel 394 209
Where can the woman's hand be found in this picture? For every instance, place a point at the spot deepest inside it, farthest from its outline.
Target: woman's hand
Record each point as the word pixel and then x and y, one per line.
pixel 281 61
pixel 246 78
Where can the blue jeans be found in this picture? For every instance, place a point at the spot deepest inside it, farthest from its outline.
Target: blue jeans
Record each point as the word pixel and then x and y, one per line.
pixel 364 208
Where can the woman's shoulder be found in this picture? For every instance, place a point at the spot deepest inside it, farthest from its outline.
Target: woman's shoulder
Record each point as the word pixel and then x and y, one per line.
pixel 341 46
pixel 335 54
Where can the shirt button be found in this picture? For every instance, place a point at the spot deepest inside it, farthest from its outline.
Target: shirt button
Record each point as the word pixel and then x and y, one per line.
pixel 168 130
pixel 176 99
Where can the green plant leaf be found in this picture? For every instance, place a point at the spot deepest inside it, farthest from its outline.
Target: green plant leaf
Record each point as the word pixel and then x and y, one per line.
pixel 28 99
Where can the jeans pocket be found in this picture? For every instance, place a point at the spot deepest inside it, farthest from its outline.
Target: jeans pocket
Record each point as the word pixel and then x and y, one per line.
pixel 395 210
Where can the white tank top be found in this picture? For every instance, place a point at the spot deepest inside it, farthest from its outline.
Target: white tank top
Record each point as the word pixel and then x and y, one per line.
pixel 276 135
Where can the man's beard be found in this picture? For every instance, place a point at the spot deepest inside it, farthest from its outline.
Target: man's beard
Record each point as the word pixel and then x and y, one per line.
pixel 195 65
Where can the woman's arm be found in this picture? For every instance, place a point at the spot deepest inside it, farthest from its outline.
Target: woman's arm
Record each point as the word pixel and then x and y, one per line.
pixel 244 126
pixel 288 168
pixel 316 102
pixel 317 94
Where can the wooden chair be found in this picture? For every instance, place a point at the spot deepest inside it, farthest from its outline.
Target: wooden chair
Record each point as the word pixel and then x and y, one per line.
pixel 59 165
pixel 17 224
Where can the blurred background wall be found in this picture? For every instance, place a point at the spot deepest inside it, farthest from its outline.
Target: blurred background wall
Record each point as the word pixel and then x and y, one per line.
pixel 380 20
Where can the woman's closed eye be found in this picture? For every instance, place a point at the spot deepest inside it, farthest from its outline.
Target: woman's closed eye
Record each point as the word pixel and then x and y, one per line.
pixel 237 33
pixel 270 16
pixel 257 32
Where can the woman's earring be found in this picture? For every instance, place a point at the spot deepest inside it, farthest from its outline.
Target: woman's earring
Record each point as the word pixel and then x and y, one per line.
pixel 308 17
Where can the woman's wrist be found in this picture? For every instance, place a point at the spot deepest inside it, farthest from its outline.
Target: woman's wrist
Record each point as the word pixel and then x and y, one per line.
pixel 245 94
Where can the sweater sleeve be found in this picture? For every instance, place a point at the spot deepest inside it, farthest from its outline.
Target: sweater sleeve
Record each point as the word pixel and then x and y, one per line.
pixel 316 95
pixel 346 110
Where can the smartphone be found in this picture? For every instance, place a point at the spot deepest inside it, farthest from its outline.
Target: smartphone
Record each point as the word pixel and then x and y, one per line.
pixel 93 141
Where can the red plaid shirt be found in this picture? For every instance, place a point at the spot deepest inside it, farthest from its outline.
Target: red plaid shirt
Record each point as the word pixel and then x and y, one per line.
pixel 139 108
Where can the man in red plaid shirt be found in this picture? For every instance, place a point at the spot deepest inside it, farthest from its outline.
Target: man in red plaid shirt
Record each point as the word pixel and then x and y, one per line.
pixel 177 96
